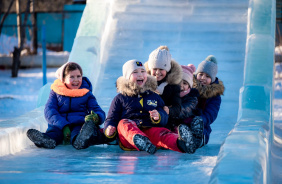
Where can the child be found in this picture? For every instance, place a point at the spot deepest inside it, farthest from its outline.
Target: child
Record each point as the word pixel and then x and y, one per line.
pixel 67 112
pixel 210 89
pixel 136 115
pixel 168 74
pixel 188 97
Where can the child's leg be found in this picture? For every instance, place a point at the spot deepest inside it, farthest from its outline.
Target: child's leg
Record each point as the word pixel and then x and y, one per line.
pixel 162 137
pixel 56 134
pixel 197 128
pixel 185 141
pixel 83 138
pixel 40 139
pixel 74 132
pixel 100 138
pixel 131 137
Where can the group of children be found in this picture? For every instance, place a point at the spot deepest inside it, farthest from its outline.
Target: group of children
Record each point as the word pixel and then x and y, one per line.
pixel 160 104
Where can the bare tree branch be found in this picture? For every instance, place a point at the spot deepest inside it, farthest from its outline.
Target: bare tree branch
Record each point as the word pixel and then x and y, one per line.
pixel 5 15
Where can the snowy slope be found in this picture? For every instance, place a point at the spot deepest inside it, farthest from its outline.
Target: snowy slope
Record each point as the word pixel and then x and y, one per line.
pixel 192 30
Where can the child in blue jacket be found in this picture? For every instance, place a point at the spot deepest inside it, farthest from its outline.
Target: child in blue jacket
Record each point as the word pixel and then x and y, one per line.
pixel 210 89
pixel 71 111
pixel 137 117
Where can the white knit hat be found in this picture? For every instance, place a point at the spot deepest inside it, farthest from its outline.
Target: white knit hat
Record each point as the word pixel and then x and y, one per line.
pixel 60 72
pixel 130 66
pixel 160 58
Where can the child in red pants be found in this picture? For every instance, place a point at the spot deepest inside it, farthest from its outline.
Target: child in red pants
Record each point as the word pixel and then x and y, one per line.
pixel 137 117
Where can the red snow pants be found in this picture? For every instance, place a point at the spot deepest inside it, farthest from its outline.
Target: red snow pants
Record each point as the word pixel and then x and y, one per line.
pixel 159 136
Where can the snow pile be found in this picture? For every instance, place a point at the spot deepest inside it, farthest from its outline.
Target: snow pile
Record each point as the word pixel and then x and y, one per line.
pixel 13 132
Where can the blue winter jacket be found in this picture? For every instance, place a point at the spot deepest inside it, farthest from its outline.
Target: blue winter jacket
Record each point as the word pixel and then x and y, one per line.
pixel 134 103
pixel 70 106
pixel 209 103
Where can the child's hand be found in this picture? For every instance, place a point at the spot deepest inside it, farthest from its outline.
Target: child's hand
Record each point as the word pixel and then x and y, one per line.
pixel 154 114
pixel 110 130
pixel 166 109
pixel 92 117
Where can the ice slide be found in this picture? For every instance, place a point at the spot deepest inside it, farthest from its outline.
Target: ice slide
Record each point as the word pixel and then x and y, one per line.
pixel 239 33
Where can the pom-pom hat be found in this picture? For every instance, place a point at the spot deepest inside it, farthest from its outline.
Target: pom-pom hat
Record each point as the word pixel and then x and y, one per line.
pixel 187 73
pixel 208 66
pixel 160 58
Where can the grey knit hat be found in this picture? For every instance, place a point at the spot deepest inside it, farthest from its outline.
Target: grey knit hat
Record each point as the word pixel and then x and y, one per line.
pixel 130 66
pixel 208 66
pixel 160 58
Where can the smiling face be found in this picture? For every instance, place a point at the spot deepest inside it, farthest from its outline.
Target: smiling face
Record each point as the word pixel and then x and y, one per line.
pixel 184 86
pixel 139 76
pixel 204 78
pixel 73 79
pixel 158 73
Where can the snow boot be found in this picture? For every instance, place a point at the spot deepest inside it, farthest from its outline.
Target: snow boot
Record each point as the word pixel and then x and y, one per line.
pixel 88 131
pixel 144 144
pixel 185 140
pixel 40 140
pixel 197 128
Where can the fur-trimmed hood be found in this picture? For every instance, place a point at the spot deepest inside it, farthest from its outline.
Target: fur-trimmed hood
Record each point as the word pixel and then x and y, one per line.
pixel 209 91
pixel 174 76
pixel 126 87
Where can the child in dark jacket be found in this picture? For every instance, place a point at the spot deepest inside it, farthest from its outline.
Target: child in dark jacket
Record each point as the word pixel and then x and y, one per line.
pixel 137 117
pixel 71 111
pixel 210 89
pixel 189 98
pixel 169 75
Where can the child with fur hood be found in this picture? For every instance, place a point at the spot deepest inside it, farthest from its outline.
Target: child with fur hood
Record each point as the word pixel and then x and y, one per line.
pixel 169 75
pixel 210 89
pixel 71 111
pixel 137 117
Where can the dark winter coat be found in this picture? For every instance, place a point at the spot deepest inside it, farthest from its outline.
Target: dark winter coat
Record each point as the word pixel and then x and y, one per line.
pixel 171 91
pixel 134 103
pixel 209 103
pixel 70 106
pixel 188 109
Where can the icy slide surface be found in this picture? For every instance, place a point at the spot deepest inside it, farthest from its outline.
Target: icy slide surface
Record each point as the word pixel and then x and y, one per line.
pixel 110 33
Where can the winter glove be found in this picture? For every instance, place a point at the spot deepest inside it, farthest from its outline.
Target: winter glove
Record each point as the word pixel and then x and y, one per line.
pixel 92 117
pixel 67 134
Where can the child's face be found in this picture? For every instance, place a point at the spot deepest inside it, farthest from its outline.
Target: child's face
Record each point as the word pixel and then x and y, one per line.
pixel 73 79
pixel 158 73
pixel 184 85
pixel 204 78
pixel 139 76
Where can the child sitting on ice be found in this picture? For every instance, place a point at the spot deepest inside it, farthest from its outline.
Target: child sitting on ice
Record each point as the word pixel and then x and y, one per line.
pixel 168 74
pixel 71 111
pixel 210 89
pixel 189 97
pixel 137 117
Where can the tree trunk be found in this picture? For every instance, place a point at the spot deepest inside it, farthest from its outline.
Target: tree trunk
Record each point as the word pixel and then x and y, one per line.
pixel 16 61
pixel 34 28
pixel 21 37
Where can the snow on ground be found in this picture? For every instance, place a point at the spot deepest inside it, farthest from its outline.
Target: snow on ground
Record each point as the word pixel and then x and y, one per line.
pixel 19 95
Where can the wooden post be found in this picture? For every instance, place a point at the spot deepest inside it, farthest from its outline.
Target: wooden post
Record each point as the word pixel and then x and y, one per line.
pixel 19 22
pixel 34 28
